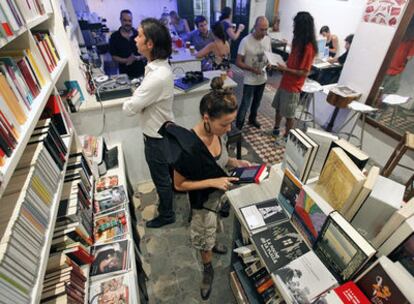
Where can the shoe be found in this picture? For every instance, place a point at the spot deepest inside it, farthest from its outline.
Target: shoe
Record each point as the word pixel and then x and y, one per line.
pixel 220 249
pixel 159 222
pixel 207 281
pixel 255 123
pixel 275 132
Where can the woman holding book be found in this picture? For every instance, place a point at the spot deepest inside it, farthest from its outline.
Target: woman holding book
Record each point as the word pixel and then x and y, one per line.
pixel 200 158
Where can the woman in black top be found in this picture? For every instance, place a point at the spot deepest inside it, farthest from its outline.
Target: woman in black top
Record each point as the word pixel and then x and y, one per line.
pixel 331 40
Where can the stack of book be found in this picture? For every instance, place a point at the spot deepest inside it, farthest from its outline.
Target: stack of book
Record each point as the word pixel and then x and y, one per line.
pixel 73 98
pixel 47 49
pixel 25 215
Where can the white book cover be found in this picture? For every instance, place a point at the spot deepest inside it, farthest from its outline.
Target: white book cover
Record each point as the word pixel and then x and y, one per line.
pixel 298 152
pixel 305 278
pixel 386 198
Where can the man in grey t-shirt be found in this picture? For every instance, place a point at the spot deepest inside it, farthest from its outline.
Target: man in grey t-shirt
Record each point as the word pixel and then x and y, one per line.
pixel 251 59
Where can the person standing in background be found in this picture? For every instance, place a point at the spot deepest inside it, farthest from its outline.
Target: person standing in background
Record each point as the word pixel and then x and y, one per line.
pixel 251 59
pixel 331 40
pixel 123 49
pixel 226 20
pixel 152 101
pixel 201 36
pixel 179 25
pixel 297 68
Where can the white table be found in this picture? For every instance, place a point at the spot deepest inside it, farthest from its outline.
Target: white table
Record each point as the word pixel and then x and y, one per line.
pixel 183 61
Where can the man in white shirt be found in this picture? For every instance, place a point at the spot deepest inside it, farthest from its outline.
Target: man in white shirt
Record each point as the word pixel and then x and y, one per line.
pixel 251 59
pixel 152 102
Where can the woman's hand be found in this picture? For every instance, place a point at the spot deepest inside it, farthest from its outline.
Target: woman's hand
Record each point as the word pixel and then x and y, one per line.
pixel 242 163
pixel 280 67
pixel 222 183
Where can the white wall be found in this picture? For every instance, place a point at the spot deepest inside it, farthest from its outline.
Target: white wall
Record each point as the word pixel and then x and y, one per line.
pixel 257 8
pixel 140 9
pixel 342 17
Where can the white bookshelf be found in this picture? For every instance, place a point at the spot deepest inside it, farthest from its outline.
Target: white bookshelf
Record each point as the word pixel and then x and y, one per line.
pixel 44 256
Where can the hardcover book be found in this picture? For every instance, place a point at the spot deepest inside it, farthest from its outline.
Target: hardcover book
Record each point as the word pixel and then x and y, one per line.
pixel 311 212
pixel 304 279
pixel 263 214
pixel 279 244
pixel 289 191
pixel 341 248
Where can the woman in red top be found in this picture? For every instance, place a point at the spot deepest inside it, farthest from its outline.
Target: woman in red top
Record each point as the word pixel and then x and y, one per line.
pixel 295 71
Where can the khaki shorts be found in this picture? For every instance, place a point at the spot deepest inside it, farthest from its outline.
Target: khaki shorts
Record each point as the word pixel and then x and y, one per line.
pixel 204 226
pixel 286 103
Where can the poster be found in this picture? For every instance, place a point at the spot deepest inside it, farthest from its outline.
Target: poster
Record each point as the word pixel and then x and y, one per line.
pixel 386 12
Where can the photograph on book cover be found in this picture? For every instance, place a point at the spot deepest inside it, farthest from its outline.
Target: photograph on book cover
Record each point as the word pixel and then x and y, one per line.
pixel 289 191
pixel 111 226
pixel 114 290
pixel 405 254
pixel 106 182
pixel 384 12
pixel 110 199
pixel 110 257
pixel 338 250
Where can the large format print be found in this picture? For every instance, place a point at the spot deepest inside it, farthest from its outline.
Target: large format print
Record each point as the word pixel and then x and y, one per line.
pixel 386 12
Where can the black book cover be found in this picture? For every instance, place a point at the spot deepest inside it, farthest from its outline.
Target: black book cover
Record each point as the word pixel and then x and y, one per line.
pixel 279 244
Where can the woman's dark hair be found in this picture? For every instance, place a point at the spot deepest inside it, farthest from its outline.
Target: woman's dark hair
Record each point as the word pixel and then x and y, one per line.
pixel 349 38
pixel 324 29
pixel 225 13
pixel 303 32
pixel 219 101
pixel 218 31
pixel 155 31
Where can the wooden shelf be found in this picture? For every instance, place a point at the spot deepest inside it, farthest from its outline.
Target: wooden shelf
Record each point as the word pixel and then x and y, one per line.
pixel 37 290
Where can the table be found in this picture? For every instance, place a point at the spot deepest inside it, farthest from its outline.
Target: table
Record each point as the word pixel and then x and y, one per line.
pixel 108 120
pixel 183 61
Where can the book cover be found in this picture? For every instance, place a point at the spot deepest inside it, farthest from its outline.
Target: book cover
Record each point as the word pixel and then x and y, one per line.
pixel 297 154
pixel 347 293
pixel 279 244
pixel 110 226
pixel 305 278
pixel 252 174
pixel 289 191
pixel 359 157
pixel 11 100
pixel 110 199
pixel 341 180
pixel 404 254
pixel 311 212
pixel 107 182
pixel 377 284
pixel 263 214
pixel 114 290
pixel 341 248
pixel 110 258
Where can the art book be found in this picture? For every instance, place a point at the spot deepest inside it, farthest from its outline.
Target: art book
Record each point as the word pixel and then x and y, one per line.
pixel 341 248
pixel 289 191
pixel 110 199
pixel 263 214
pixel 110 226
pixel 114 290
pixel 311 212
pixel 110 258
pixel 304 279
pixel 347 293
pixel 279 244
pixel 106 182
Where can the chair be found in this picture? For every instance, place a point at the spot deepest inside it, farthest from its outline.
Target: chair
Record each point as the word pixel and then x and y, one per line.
pixel 405 144
pixel 359 110
pixel 308 99
pixel 394 101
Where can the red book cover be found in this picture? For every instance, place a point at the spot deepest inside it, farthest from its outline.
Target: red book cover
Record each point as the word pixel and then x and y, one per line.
pixel 24 69
pixel 259 172
pixel 349 293
pixel 49 53
pixel 7 29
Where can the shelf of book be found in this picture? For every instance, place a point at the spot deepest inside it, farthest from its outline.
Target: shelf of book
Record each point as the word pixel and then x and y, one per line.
pixel 44 257
pixel 120 172
pixel 26 131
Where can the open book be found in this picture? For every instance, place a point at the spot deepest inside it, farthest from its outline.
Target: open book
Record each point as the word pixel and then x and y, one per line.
pixel 273 58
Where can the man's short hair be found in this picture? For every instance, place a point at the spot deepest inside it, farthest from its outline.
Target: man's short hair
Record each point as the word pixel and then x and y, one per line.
pixel 155 31
pixel 199 19
pixel 125 11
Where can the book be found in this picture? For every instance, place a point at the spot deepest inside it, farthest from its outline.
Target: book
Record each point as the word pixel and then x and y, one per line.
pixel 351 208
pixel 110 258
pixel 279 244
pixel 106 182
pixel 311 212
pixel 315 148
pixel 109 199
pixel 112 290
pixel 347 293
pixel 237 289
pixel 404 254
pixel 11 100
pixel 289 191
pixel 304 279
pixel 324 140
pixel 395 221
pixel 340 181
pixel 298 155
pixel 345 91
pixel 385 198
pixel 263 214
pixel 384 282
pixel 359 157
pixel 252 174
pixel 111 226
pixel 341 248
pixel 274 59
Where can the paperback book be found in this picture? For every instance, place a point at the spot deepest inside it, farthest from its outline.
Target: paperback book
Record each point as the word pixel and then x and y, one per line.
pixel 110 258
pixel 114 290
pixel 110 199
pixel 110 226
